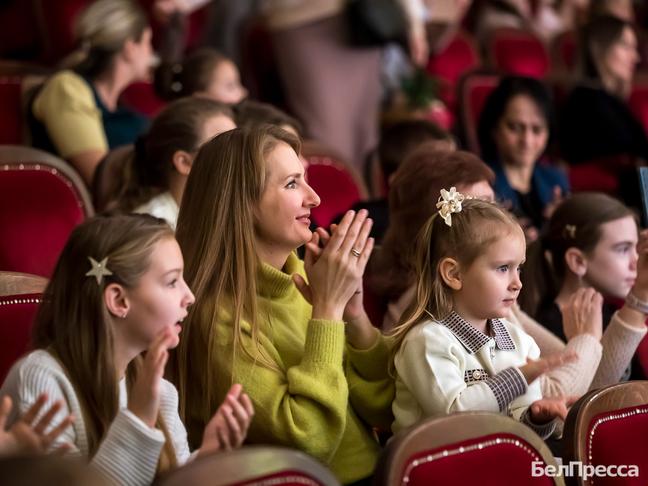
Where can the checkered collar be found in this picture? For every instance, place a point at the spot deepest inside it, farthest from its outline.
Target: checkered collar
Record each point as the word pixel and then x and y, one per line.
pixel 473 339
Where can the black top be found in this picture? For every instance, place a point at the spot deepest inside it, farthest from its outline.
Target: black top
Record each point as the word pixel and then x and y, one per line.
pixel 596 124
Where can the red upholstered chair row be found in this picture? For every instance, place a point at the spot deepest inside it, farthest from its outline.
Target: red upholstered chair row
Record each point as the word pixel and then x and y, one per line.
pixel 610 427
pixel 638 100
pixel 20 295
pixel 253 466
pixel 41 200
pixel 474 90
pixel 466 448
pixel 458 57
pixel 337 184
pixel 515 51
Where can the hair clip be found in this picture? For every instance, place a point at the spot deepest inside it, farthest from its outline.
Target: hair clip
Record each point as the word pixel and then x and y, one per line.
pixel 99 270
pixel 449 202
pixel 569 231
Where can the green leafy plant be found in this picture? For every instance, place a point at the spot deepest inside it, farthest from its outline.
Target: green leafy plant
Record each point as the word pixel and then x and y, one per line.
pixel 420 89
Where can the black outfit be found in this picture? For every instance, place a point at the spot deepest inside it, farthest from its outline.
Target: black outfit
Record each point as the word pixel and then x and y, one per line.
pixel 378 211
pixel 595 124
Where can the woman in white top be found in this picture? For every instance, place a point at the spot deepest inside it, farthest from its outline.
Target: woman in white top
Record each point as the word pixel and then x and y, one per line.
pixel 117 291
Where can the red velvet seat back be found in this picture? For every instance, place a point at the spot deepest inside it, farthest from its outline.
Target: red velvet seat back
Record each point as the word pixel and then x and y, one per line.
pixel 491 460
pixel 56 21
pixel 284 478
pixel 335 185
pixel 565 48
pixel 141 97
pixel 17 313
pixel 459 56
pixel 620 437
pixel 474 92
pixel 11 119
pixel 38 209
pixel 518 52
pixel 639 102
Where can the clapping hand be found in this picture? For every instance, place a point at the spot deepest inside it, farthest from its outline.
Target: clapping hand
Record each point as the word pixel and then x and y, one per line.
pixel 229 425
pixel 28 435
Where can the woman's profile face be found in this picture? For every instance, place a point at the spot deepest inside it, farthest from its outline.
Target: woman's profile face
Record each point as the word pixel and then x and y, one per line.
pixel 283 214
pixel 142 56
pixel 521 134
pixel 225 84
pixel 620 59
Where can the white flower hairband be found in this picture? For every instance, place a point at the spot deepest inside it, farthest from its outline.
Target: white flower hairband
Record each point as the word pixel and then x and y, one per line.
pixel 449 202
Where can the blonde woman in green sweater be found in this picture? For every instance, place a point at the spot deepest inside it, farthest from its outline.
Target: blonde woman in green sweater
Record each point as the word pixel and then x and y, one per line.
pixel 306 353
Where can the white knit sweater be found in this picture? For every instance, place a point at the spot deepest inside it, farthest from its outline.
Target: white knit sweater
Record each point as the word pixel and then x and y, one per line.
pixel 129 452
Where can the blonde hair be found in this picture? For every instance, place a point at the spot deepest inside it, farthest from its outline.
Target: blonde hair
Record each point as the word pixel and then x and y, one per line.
pixel 101 31
pixel 216 233
pixel 74 324
pixel 474 229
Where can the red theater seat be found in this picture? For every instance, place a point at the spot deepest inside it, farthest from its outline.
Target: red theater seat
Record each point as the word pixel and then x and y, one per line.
pixel 472 448
pixel 20 295
pixel 639 101
pixel 56 24
pixel 336 183
pixel 141 97
pixel 253 466
pixel 41 200
pixel 458 57
pixel 473 92
pixel 11 117
pixel 514 51
pixel 565 50
pixel 609 427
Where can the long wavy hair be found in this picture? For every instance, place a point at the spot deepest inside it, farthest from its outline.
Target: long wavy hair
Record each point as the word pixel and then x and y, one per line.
pixel 474 229
pixel 216 233
pixel 74 324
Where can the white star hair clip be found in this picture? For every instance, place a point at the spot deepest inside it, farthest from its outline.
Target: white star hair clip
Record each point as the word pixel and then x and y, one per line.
pixel 99 270
pixel 449 202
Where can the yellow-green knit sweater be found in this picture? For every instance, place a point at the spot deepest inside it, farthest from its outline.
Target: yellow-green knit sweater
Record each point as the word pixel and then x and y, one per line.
pixel 325 397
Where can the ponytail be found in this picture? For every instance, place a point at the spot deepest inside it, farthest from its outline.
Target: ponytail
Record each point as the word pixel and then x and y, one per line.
pixel 576 223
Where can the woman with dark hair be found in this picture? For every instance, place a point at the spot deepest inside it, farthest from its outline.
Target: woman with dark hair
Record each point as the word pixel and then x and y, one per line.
pixel 596 123
pixel 514 131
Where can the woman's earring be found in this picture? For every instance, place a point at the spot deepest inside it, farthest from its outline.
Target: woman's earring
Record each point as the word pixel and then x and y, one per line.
pixel 123 316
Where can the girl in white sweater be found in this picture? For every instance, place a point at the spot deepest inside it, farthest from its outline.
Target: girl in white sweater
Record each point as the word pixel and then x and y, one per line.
pixel 117 291
pixel 454 349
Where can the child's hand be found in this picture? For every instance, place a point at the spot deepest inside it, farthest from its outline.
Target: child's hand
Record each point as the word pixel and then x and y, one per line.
pixel 583 314
pixel 25 436
pixel 144 398
pixel 536 367
pixel 546 409
pixel 228 427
